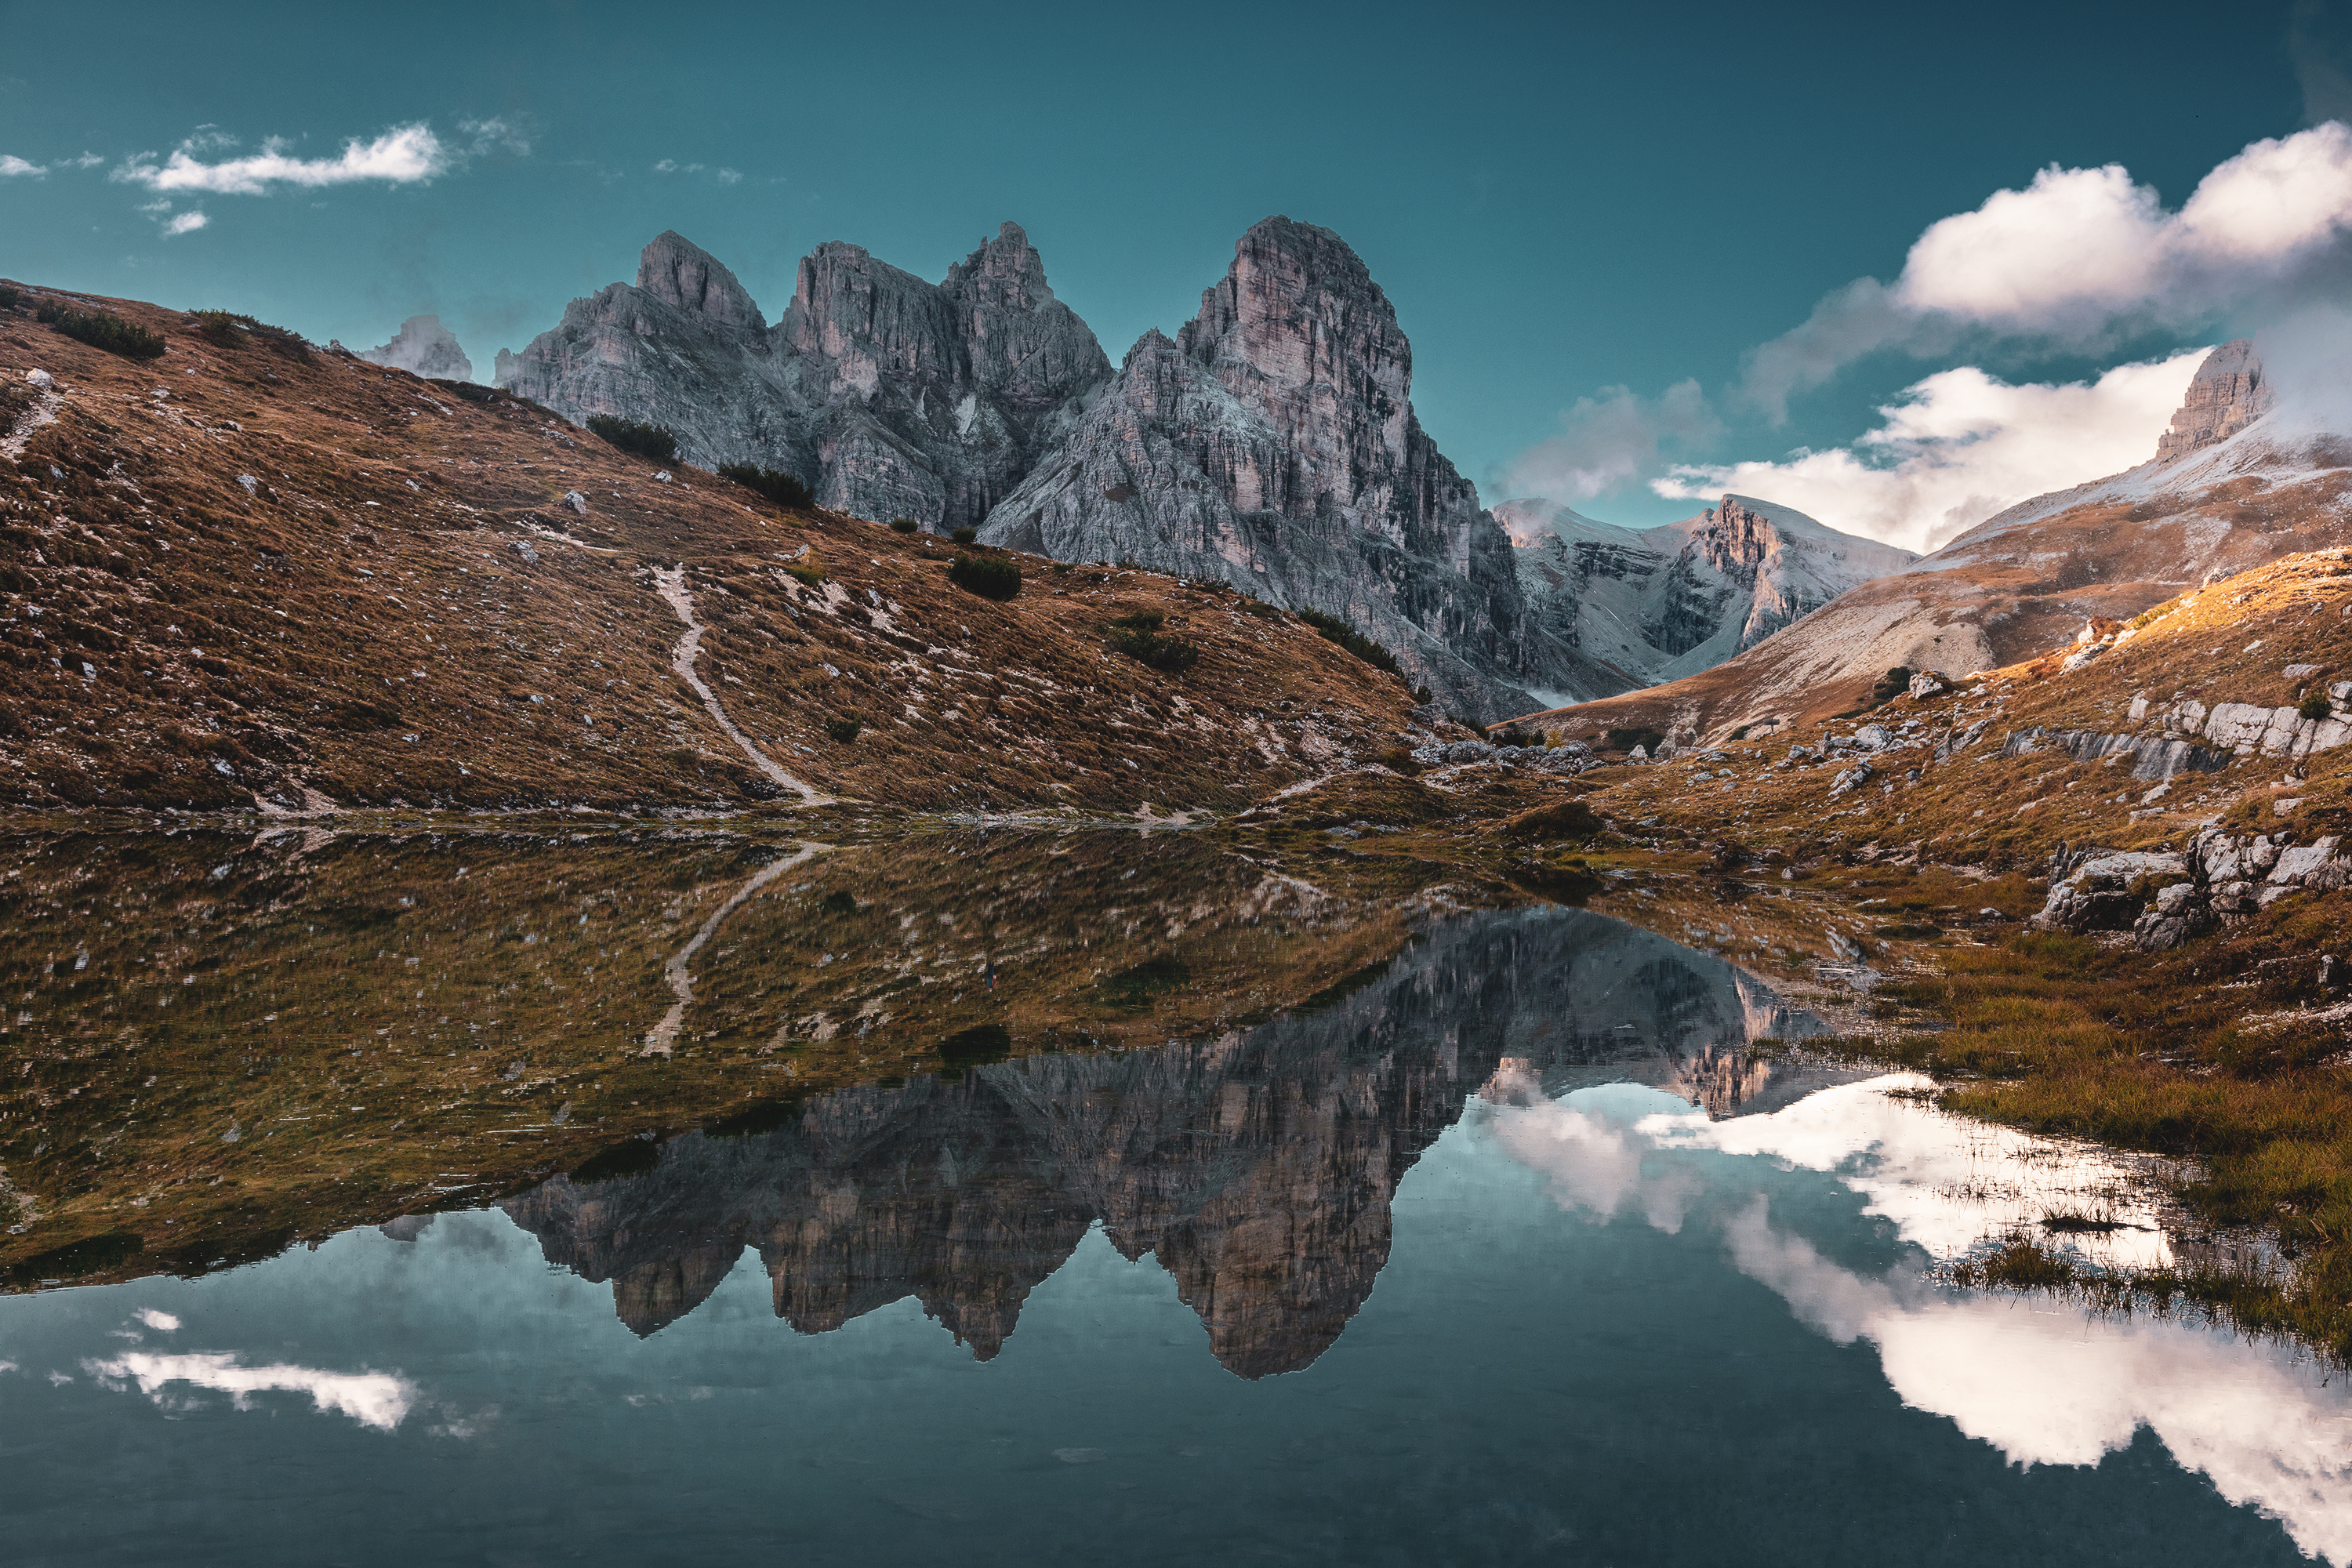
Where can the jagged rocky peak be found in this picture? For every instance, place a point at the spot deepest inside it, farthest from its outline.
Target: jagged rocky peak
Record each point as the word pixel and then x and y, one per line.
pixel 891 397
pixel 2228 393
pixel 1666 602
pixel 423 345
pixel 676 271
pixel 1272 445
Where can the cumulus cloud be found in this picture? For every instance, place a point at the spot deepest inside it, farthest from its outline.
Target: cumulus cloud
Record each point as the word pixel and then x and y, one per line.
pixel 730 176
pixel 2082 258
pixel 1956 447
pixel 376 1399
pixel 407 154
pixel 11 166
pixel 187 223
pixel 1607 442
pixel 161 1322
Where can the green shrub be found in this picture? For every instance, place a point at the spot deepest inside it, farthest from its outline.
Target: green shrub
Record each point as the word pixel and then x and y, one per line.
pixel 965 535
pixel 1334 629
pixel 2314 707
pixel 1262 610
pixel 1626 740
pixel 1160 650
pixel 1061 568
pixel 811 576
pixel 773 483
pixel 903 525
pixel 10 297
pixel 984 575
pixel 469 391
pixel 630 436
pixel 1142 621
pixel 1890 686
pixel 844 729
pixel 227 329
pixel 100 331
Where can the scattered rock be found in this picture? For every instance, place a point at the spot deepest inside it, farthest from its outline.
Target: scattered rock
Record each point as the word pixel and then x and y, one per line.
pixel 577 501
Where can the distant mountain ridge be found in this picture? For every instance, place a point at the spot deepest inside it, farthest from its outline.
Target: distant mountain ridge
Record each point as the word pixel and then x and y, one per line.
pixel 1271 443
pixel 1661 603
pixel 2237 483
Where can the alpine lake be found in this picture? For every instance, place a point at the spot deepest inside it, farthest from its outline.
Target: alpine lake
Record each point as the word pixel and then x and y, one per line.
pixel 685 1193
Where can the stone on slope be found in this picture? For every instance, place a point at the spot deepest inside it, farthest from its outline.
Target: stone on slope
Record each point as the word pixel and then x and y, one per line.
pixel 889 396
pixel 1272 445
pixel 425 347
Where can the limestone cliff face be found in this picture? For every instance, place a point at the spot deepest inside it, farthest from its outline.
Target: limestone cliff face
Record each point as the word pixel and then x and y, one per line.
pixel 425 347
pixel 2227 392
pixel 888 395
pixel 1273 445
pixel 1666 602
pixel 1258 1167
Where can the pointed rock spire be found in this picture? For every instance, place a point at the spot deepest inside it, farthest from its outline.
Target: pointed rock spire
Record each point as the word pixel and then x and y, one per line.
pixel 676 271
pixel 2228 393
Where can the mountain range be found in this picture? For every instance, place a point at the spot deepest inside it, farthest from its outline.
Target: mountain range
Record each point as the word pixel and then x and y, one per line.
pixel 2236 482
pixel 1270 444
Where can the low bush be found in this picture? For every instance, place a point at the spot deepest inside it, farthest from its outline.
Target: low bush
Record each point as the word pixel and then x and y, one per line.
pixel 469 391
pixel 1626 740
pixel 1142 621
pixel 102 331
pixel 811 576
pixel 844 729
pixel 965 535
pixel 984 575
pixel 2314 706
pixel 1890 686
pixel 903 525
pixel 228 330
pixel 777 485
pixel 10 297
pixel 630 436
pixel 1159 650
pixel 1333 629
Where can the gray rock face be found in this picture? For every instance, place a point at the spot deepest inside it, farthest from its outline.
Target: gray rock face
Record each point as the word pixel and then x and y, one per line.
pixel 887 395
pixel 1663 602
pixel 425 347
pixel 1272 445
pixel 2228 393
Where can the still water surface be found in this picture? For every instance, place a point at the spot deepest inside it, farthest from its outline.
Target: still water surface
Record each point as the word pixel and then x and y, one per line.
pixel 1513 1252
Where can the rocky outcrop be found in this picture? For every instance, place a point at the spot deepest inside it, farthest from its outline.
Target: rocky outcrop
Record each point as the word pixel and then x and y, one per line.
pixel 2228 393
pixel 889 396
pixel 1258 1167
pixel 425 347
pixel 1272 445
pixel 2164 898
pixel 1662 602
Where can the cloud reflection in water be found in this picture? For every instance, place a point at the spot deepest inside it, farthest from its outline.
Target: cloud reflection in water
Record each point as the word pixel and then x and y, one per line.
pixel 2043 1387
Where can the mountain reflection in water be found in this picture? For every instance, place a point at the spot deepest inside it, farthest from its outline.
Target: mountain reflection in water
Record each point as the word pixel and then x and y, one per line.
pixel 1258 1167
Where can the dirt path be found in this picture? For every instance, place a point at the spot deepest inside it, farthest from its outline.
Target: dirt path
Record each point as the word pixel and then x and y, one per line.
pixel 661 1040
pixel 670 582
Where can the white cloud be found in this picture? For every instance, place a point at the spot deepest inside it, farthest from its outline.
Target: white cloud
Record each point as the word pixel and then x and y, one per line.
pixel 370 1398
pixel 86 161
pixel 730 176
pixel 187 223
pixel 498 134
pixel 1607 442
pixel 408 154
pixel 1959 445
pixel 161 1322
pixel 11 165
pixel 2081 258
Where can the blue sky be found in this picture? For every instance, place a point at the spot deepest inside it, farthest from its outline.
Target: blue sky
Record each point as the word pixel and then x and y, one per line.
pixel 1560 201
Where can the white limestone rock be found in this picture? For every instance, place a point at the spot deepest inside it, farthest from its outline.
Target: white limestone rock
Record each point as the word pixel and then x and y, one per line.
pixel 424 347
